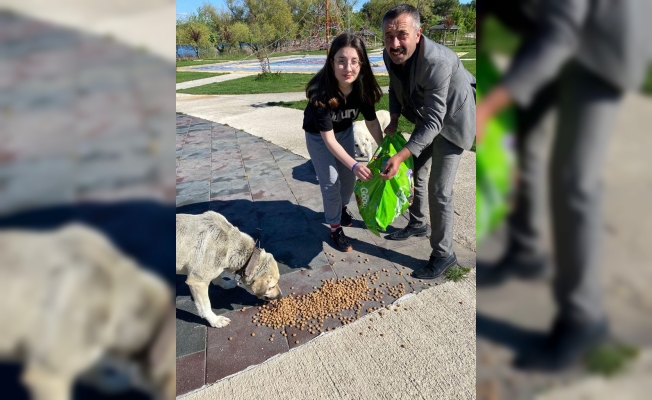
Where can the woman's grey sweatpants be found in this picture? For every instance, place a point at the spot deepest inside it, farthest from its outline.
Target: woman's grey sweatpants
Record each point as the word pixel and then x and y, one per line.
pixel 335 179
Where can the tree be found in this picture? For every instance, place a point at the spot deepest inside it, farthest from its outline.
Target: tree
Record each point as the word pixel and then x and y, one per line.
pixel 240 33
pixel 444 7
pixel 448 23
pixel 375 10
pixel 268 21
pixel 194 34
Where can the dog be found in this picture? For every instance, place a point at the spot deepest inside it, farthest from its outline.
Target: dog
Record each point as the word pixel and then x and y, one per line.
pixel 71 299
pixel 208 246
pixel 363 139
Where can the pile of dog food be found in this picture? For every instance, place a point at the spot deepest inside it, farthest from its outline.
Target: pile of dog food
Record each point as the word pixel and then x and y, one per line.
pixel 331 300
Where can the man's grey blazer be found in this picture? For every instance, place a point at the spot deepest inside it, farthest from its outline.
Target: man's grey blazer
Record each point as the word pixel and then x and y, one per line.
pixel 611 38
pixel 441 98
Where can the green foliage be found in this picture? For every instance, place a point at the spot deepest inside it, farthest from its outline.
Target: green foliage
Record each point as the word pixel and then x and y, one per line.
pixel 444 7
pixel 269 76
pixel 457 273
pixel 195 34
pixel 647 85
pixel 610 359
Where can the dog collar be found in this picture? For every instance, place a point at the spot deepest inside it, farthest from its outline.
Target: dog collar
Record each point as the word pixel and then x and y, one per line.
pixel 251 263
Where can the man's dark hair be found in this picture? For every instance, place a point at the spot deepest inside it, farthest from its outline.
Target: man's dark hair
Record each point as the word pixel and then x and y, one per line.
pixel 400 10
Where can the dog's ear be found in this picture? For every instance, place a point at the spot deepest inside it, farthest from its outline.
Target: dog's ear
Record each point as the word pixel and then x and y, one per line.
pixel 253 262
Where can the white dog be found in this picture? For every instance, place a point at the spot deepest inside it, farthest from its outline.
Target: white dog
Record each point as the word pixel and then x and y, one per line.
pixel 363 139
pixel 207 246
pixel 72 300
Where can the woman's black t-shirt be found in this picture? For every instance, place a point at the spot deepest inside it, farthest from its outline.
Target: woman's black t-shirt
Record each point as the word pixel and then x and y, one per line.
pixel 320 119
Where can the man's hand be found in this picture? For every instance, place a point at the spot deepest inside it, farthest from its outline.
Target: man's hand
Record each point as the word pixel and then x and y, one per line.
pixel 393 125
pixel 482 115
pixel 497 100
pixel 391 167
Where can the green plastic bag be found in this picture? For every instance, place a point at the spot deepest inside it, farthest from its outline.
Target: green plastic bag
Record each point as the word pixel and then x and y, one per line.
pixel 381 201
pixel 494 157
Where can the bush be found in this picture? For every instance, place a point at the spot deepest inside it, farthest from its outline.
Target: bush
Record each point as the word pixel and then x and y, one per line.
pixel 268 76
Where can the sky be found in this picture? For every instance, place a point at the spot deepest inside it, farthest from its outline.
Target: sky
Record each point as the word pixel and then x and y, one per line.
pixel 186 7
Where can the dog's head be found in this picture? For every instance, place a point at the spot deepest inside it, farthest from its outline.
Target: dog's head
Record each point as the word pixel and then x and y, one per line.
pixel 264 278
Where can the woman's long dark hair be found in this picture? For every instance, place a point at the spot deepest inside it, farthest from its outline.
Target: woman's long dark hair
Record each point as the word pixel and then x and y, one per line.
pixel 323 88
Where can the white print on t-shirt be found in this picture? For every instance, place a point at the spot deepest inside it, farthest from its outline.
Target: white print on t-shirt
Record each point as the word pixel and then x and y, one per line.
pixel 351 113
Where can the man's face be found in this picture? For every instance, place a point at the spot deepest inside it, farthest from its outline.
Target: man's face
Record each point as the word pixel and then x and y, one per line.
pixel 401 38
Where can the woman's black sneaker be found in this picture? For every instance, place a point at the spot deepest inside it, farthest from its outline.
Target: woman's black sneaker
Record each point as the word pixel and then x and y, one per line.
pixel 347 218
pixel 340 241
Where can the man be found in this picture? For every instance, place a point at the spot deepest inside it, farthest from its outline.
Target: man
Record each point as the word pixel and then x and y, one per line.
pixel 428 85
pixel 580 56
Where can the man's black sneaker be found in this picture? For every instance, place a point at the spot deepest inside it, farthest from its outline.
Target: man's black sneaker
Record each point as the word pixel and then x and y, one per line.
pixel 340 241
pixel 565 346
pixel 435 267
pixel 513 264
pixel 408 232
pixel 347 218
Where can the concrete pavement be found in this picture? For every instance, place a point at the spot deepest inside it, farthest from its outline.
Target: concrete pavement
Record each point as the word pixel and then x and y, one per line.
pixel 438 361
pixel 214 79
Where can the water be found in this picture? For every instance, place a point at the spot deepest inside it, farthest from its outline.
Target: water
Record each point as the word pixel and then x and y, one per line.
pixel 299 64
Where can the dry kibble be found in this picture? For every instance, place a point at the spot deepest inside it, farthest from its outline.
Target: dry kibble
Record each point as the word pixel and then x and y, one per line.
pixel 253 334
pixel 310 311
pixel 294 334
pixel 230 338
pixel 296 341
pixel 404 346
pixel 271 339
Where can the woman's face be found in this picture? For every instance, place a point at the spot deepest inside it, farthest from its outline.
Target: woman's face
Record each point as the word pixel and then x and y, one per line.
pixel 346 65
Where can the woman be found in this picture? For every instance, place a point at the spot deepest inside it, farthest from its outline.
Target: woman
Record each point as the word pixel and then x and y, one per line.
pixel 343 88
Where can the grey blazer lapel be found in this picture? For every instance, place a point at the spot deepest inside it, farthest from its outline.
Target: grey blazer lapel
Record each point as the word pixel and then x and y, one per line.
pixel 413 70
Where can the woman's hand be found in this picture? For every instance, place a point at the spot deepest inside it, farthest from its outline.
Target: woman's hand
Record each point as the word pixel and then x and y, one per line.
pixel 362 172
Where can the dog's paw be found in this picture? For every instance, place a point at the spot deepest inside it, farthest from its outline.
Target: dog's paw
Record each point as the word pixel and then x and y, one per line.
pixel 219 322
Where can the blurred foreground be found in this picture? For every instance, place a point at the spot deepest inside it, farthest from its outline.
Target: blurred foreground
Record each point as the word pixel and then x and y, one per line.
pixel 86 113
pixel 569 266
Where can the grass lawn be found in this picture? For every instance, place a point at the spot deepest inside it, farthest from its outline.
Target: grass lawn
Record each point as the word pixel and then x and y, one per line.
pixel 469 65
pixel 190 63
pixel 185 76
pixel 469 54
pixel 253 85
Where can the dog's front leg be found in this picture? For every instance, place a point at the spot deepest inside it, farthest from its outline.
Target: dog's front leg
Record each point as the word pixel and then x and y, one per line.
pixel 199 292
pixel 45 384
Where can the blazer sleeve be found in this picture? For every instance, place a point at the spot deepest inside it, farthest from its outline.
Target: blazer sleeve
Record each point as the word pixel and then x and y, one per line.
pixel 541 57
pixel 435 82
